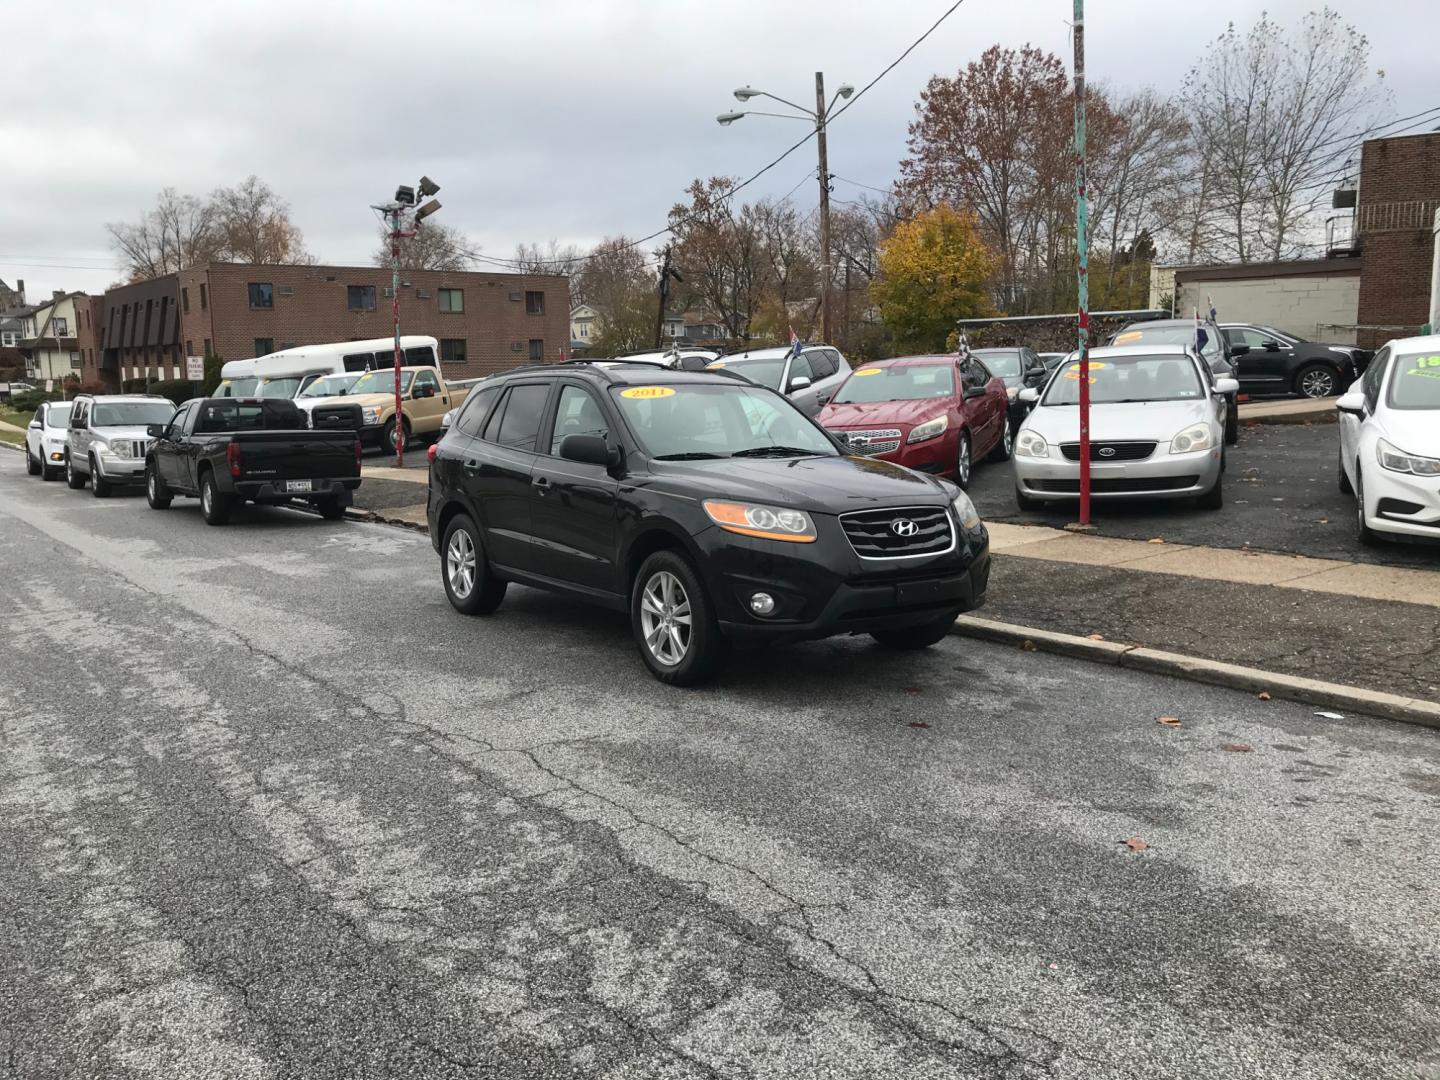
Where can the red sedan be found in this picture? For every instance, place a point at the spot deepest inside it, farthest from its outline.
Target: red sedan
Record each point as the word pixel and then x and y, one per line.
pixel 934 414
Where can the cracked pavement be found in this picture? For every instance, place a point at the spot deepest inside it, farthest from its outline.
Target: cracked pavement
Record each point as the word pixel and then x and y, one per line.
pixel 269 808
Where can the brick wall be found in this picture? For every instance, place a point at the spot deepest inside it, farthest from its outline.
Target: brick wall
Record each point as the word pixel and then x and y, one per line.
pixel 89 318
pixel 1395 287
pixel 311 304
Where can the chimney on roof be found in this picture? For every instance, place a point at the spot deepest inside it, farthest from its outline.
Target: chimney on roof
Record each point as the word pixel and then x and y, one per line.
pixel 57 294
pixel 20 288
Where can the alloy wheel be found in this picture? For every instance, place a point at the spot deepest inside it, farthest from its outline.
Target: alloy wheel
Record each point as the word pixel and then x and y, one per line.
pixel 207 496
pixel 962 466
pixel 460 563
pixel 1009 438
pixel 1317 384
pixel 150 485
pixel 665 618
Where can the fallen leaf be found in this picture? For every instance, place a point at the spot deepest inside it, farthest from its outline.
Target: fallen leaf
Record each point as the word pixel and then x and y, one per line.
pixel 1095 637
pixel 913 690
pixel 1134 843
pixel 1155 540
pixel 1028 645
pixel 919 723
pixel 1330 715
pixel 1264 695
pixel 1237 747
pixel 1054 967
pixel 1168 721
pixel 1323 521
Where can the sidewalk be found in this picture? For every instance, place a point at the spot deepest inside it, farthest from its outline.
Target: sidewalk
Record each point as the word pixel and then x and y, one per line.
pixel 1288 411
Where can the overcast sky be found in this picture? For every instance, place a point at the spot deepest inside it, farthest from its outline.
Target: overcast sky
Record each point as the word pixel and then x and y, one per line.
pixel 571 119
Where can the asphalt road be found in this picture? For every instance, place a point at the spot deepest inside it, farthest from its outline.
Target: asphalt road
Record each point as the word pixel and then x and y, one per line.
pixel 268 808
pixel 1281 495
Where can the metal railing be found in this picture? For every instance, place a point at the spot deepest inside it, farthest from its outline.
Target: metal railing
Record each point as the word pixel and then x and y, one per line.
pixel 1395 216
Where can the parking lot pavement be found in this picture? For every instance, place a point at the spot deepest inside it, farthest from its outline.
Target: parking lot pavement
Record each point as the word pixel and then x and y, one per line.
pixel 246 835
pixel 1280 495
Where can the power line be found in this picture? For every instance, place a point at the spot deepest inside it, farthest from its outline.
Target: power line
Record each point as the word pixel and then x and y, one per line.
pixel 856 183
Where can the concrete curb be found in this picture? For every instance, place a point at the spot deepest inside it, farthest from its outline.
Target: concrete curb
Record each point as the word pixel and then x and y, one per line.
pixel 11 446
pixel 1214 672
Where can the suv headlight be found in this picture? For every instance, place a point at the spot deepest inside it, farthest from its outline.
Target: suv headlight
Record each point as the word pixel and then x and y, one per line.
pixel 1193 438
pixel 929 429
pixel 1399 461
pixel 1031 444
pixel 965 511
pixel 119 449
pixel 370 416
pixel 766 522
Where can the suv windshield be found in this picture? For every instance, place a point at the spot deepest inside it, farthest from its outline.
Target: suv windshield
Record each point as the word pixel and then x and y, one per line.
pixel 764 371
pixel 131 413
pixel 329 386
pixel 1416 383
pixel 237 387
pixel 58 415
pixel 710 421
pixel 1169 334
pixel 1116 379
pixel 382 382
pixel 1004 364
pixel 903 382
pixel 279 388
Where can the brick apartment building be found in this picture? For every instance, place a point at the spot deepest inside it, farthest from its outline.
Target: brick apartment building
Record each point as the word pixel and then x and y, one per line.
pixel 1394 230
pixel 484 322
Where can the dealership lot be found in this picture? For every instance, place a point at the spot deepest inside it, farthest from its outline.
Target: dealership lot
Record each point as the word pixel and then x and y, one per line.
pixel 504 848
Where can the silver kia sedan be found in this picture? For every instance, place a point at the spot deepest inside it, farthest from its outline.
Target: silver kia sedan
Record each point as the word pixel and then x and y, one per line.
pixel 1157 429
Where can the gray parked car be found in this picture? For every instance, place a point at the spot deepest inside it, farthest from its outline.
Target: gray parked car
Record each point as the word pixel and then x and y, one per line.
pixel 809 379
pixel 1157 423
pixel 106 443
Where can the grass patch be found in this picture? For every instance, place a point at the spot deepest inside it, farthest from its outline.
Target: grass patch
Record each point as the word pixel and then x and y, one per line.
pixel 14 438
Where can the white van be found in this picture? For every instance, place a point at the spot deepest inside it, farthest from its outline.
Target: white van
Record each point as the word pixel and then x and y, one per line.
pixel 285 374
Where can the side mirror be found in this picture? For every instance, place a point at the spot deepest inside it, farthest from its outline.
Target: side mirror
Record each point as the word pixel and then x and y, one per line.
pixel 1352 403
pixel 1035 375
pixel 1030 395
pixel 1239 350
pixel 799 382
pixel 447 420
pixel 591 449
pixel 34 425
pixel 155 431
pixel 974 392
pixel 1226 387
pixel 1272 346
pixel 424 392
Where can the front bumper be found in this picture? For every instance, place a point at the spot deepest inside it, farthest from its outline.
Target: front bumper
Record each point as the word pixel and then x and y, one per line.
pixel 1161 476
pixel 938 456
pixel 825 588
pixel 1401 503
pixel 118 470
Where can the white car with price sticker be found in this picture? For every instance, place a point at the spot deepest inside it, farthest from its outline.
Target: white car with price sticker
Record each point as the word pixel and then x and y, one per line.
pixel 1390 441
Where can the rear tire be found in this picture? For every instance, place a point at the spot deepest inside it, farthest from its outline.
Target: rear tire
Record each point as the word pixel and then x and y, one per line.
pixel 1317 381
pixel 470 586
pixel 32 467
pixel 215 505
pixel 73 480
pixel 99 486
pixel 915 637
pixel 157 492
pixel 1006 446
pixel 674 622
pixel 330 509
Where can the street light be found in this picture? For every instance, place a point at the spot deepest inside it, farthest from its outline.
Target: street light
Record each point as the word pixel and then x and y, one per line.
pixel 819 117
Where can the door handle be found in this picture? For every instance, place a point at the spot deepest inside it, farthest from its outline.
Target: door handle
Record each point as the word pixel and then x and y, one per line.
pixel 824 399
pixel 471 465
pixel 541 484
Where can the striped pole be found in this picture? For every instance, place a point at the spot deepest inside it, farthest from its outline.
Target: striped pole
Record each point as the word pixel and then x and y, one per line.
pixel 1082 261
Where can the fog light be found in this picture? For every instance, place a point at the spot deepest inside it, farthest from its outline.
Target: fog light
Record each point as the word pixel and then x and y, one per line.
pixel 57 457
pixel 762 603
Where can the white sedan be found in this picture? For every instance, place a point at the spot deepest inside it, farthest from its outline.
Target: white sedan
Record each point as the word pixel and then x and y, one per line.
pixel 45 440
pixel 1390 441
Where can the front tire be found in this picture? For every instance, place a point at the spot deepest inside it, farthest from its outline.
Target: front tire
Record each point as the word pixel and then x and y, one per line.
pixel 73 480
pixel 1026 503
pixel 99 486
pixel 1317 381
pixel 32 466
pixel 157 492
pixel 469 585
pixel 964 463
pixel 673 621
pixel 215 505
pixel 1366 535
pixel 1232 423
pixel 915 637
pixel 1214 499
pixel 1346 488
pixel 387 436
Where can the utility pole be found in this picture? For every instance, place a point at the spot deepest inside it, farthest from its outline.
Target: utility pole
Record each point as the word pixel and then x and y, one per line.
pixel 1082 261
pixel 824 209
pixel 666 273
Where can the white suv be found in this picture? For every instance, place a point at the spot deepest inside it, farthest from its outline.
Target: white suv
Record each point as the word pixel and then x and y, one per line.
pixel 106 443
pixel 809 378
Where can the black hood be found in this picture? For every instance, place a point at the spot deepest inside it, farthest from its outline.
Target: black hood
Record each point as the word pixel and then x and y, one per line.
pixel 831 485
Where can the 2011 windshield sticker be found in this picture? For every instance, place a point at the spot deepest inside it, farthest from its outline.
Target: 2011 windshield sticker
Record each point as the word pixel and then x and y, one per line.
pixel 1427 367
pixel 868 371
pixel 644 393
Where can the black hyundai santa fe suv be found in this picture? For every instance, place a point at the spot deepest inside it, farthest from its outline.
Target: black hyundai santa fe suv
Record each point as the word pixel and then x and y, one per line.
pixel 709 508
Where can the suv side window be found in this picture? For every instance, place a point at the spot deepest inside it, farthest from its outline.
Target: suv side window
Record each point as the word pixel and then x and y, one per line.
pixel 576 413
pixel 472 414
pixel 1375 377
pixel 517 424
pixel 822 362
pixel 77 414
pixel 800 369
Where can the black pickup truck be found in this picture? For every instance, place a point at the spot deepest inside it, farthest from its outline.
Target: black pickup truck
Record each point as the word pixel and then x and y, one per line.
pixel 230 450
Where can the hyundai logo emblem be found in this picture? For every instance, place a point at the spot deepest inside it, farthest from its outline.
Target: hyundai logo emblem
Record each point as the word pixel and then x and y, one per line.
pixel 904 527
pixel 1107 451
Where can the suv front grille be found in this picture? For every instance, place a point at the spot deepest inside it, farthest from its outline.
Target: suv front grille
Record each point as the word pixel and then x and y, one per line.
pixel 1119 451
pixel 873 535
pixel 870 443
pixel 139 448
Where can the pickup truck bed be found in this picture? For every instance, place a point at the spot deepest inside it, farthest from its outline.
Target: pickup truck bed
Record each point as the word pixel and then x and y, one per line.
pixel 230 450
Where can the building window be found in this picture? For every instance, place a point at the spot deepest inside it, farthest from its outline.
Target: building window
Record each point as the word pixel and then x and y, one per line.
pixel 262 294
pixel 452 350
pixel 60 327
pixel 584 329
pixel 75 360
pixel 189 347
pixel 185 300
pixel 204 300
pixel 537 349
pixel 207 342
pixel 360 297
pixel 534 303
pixel 452 299
pixel 264 346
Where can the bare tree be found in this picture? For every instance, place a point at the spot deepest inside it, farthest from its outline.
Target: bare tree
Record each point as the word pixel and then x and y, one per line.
pixel 552 258
pixel 719 254
pixel 433 247
pixel 178 232
pixel 254 225
pixel 1271 114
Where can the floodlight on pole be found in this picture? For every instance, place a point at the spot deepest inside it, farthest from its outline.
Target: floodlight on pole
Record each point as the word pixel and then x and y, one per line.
pixel 745 93
pixel 726 119
pixel 425 211
pixel 405 195
pixel 427 187
pixel 845 90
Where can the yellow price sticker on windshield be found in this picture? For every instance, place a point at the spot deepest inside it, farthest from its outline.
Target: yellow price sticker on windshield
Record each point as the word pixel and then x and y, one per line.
pixel 716 364
pixel 869 371
pixel 1425 366
pixel 1127 338
pixel 1074 370
pixel 646 392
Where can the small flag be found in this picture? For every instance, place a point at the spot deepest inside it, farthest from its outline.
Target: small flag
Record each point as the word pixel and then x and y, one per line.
pixel 794 343
pixel 1211 301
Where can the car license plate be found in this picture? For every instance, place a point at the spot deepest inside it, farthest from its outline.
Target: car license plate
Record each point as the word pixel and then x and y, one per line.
pixel 297 485
pixel 924 592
